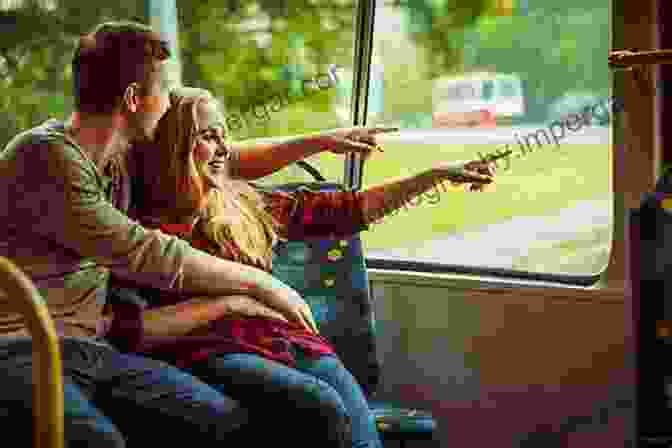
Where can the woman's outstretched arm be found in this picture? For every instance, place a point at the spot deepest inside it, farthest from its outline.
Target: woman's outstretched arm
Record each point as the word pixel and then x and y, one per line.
pixel 305 213
pixel 389 196
pixel 253 160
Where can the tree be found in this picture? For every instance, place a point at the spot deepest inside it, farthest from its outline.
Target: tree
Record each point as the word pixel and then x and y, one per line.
pixel 553 51
pixel 246 50
pixel 236 48
pixel 439 27
pixel 554 46
pixel 35 54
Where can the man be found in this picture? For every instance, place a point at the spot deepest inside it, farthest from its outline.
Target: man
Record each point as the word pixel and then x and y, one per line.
pixel 59 225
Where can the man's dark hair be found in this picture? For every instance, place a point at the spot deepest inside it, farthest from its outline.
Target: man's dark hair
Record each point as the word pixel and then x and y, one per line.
pixel 109 58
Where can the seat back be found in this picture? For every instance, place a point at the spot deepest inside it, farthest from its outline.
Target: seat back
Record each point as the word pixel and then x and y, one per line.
pixel 47 372
pixel 650 271
pixel 330 274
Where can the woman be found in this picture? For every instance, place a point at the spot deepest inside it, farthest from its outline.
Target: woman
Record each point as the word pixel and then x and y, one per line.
pixel 249 349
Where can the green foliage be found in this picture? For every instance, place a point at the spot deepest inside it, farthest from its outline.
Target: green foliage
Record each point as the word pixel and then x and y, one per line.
pixel 553 51
pixel 244 51
pixel 35 54
pixel 554 46
pixel 439 26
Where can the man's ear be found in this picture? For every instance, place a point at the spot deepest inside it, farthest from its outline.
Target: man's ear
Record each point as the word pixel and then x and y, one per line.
pixel 132 97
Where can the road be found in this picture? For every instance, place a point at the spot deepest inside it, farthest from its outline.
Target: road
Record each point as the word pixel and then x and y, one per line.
pixel 498 135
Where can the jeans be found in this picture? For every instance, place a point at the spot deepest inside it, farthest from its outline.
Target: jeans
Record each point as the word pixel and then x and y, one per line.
pixel 318 403
pixel 107 394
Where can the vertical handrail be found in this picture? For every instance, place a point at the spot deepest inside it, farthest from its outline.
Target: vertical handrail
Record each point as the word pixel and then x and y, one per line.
pixel 47 373
pixel 162 15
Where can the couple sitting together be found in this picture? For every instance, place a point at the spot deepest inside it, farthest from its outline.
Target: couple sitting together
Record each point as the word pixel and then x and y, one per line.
pixel 198 249
pixel 250 350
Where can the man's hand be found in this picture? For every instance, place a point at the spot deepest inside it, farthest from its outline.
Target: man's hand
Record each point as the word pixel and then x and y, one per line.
pixel 246 306
pixel 197 312
pixel 299 311
pixel 356 139
pixel 292 306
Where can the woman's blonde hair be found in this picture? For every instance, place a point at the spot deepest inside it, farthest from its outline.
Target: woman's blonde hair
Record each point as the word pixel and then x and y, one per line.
pixel 172 182
pixel 231 212
pixel 235 213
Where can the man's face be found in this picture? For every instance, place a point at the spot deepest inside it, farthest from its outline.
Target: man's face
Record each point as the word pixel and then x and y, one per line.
pixel 153 102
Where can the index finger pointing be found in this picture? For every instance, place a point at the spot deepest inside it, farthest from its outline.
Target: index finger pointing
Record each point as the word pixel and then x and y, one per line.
pixel 383 130
pixel 473 176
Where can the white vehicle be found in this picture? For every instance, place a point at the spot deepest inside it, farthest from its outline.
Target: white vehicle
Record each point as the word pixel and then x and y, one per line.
pixel 474 98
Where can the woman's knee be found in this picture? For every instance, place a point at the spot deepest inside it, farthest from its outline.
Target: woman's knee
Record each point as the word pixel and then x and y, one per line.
pixel 328 400
pixel 330 416
pixel 331 370
pixel 320 394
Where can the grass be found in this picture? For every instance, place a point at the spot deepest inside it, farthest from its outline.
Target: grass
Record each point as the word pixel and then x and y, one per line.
pixel 589 254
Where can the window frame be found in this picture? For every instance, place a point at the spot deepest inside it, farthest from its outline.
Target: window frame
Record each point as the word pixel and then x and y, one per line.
pixel 353 165
pixel 354 168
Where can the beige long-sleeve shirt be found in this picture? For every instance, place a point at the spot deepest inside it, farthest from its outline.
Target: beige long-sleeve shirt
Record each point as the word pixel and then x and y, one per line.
pixel 58 224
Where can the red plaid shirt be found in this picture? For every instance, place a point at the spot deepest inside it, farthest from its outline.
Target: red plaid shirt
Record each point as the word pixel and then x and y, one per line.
pixel 301 214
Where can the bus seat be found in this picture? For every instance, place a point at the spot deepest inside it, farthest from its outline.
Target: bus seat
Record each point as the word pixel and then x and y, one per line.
pixel 47 374
pixel 331 276
pixel 650 266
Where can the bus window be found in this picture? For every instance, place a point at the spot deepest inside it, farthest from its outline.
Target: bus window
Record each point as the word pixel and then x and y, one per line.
pixel 550 210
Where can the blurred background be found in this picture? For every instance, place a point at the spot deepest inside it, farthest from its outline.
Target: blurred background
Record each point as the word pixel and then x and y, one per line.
pixel 460 77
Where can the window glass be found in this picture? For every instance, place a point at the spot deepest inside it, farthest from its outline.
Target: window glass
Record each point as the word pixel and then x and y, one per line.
pixel 279 68
pixel 38 40
pixel 546 94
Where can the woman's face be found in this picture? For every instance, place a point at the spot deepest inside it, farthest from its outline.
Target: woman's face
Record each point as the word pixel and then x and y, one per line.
pixel 212 145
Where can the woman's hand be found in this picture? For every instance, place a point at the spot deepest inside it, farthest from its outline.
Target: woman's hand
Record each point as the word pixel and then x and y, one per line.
pixel 356 139
pixel 477 173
